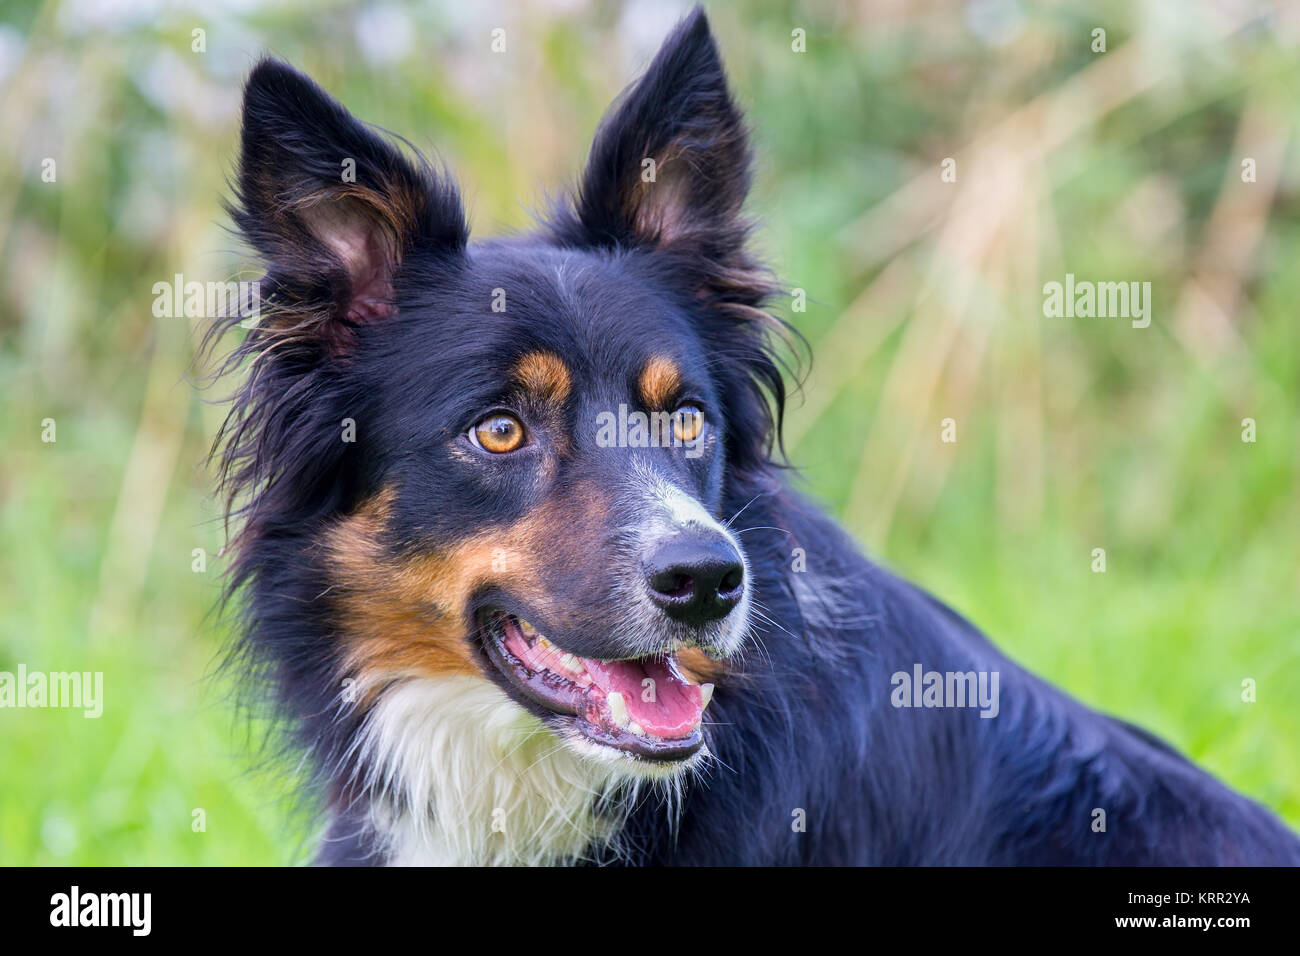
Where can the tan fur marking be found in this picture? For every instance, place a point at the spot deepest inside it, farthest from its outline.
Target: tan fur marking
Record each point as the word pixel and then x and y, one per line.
pixel 545 376
pixel 389 630
pixel 405 617
pixel 698 667
pixel 659 383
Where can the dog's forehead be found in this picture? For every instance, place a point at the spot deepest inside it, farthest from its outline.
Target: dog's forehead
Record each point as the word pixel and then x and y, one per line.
pixel 553 314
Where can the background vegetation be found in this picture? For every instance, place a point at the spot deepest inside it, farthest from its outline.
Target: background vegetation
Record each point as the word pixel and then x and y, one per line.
pixel 925 303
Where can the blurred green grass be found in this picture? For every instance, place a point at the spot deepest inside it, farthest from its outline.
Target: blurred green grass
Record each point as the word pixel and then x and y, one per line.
pixel 924 303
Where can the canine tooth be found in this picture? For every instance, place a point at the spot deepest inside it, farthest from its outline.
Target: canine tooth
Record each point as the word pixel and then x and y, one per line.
pixel 617 709
pixel 706 695
pixel 635 728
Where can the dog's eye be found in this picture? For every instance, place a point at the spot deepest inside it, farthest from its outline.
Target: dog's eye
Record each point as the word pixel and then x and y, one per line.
pixel 498 433
pixel 688 422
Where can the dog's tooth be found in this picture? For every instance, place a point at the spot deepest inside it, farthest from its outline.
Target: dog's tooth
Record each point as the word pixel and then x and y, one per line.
pixel 706 695
pixel 617 709
pixel 572 664
pixel 527 629
pixel 634 728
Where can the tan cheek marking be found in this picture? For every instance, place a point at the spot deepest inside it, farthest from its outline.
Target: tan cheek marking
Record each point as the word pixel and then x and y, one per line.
pixel 545 376
pixel 660 381
pixel 699 668
pixel 406 616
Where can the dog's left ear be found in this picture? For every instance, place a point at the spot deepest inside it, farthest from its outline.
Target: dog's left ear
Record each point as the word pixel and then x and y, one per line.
pixel 669 167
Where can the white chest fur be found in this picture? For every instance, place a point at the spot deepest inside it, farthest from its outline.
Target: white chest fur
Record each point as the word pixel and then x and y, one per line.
pixel 476 780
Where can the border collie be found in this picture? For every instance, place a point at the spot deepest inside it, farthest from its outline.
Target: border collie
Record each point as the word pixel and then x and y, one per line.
pixel 520 570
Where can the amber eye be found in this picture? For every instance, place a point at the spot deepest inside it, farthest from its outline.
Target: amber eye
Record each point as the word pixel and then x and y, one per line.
pixel 498 433
pixel 688 422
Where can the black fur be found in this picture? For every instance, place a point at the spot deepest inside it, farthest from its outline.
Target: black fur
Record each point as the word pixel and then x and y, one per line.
pixel 810 726
pixel 405 345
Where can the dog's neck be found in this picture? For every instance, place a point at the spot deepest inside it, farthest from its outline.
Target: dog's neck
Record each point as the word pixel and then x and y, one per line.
pixel 469 778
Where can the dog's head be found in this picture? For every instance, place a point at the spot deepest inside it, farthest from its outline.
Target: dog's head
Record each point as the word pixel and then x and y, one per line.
pixel 509 458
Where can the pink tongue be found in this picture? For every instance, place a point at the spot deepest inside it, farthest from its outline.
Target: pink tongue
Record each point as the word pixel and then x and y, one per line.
pixel 669 707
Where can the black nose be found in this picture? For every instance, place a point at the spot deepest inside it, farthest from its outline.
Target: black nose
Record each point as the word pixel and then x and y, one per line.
pixel 695 579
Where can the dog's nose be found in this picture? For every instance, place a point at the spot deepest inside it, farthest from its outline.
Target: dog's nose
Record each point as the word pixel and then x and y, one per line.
pixel 695 579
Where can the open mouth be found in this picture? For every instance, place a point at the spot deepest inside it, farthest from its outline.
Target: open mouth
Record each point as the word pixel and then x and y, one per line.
pixel 643 706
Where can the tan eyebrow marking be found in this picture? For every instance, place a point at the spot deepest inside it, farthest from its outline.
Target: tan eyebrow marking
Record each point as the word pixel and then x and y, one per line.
pixel 544 375
pixel 660 381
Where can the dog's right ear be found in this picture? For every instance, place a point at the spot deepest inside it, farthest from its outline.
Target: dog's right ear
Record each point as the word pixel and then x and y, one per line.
pixel 332 207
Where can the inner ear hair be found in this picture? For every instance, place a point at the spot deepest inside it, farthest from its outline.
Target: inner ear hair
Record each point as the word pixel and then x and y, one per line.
pixel 362 234
pixel 332 243
pixel 660 210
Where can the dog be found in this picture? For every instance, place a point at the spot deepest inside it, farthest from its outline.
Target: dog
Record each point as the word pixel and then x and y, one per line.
pixel 523 575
